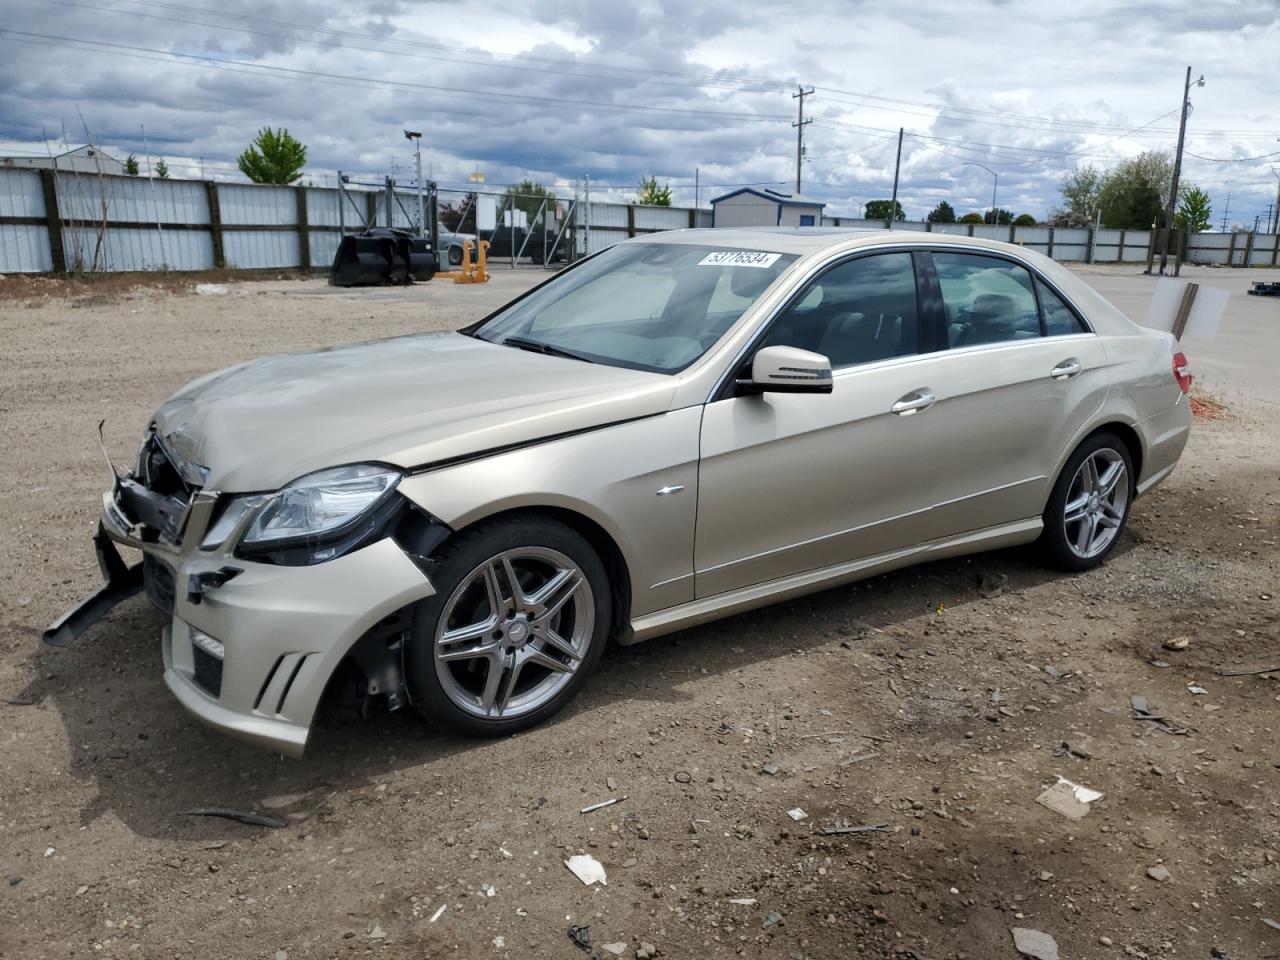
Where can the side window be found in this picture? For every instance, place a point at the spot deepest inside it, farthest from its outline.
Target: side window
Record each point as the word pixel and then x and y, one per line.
pixel 987 300
pixel 858 311
pixel 1059 320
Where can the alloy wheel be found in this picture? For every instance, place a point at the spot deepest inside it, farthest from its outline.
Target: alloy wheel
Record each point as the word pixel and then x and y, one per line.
pixel 1096 503
pixel 514 632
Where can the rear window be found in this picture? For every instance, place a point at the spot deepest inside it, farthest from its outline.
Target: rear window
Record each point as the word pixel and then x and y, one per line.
pixel 987 300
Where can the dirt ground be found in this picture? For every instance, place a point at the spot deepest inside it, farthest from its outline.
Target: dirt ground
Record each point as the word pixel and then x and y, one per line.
pixel 938 701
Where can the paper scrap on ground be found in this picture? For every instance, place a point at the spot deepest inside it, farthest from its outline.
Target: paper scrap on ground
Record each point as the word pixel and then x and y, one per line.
pixel 797 813
pixel 587 869
pixel 1069 799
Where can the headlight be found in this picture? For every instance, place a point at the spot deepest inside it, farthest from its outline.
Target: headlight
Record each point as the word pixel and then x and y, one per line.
pixel 320 516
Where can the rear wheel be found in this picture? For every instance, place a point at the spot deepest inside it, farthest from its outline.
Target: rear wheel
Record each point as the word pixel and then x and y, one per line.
pixel 455 256
pixel 1089 505
pixel 520 618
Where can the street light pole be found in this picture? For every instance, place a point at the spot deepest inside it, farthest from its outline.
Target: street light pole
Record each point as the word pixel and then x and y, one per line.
pixel 416 137
pixel 1177 170
pixel 995 184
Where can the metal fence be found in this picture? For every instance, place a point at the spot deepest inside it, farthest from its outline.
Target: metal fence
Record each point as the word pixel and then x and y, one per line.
pixel 61 222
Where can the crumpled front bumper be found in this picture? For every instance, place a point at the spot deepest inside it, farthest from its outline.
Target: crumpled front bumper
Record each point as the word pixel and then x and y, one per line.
pixel 253 655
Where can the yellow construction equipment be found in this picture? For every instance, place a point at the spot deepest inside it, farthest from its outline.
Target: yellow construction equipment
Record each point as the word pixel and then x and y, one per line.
pixel 473 272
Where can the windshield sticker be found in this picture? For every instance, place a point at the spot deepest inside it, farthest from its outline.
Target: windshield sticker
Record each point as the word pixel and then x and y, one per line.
pixel 739 258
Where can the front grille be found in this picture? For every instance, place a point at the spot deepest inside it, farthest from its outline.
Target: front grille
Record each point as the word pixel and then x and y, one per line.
pixel 158 580
pixel 208 671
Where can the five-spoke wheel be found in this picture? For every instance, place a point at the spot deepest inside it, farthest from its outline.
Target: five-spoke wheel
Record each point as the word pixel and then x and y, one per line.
pixel 519 617
pixel 1090 503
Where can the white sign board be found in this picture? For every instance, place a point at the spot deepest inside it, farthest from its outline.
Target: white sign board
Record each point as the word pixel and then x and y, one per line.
pixel 1206 309
pixel 486 213
pixel 522 218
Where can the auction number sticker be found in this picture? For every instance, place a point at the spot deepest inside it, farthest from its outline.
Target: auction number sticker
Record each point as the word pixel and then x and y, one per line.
pixel 739 258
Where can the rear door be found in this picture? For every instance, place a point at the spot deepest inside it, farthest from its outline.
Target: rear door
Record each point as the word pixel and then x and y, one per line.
pixel 1020 376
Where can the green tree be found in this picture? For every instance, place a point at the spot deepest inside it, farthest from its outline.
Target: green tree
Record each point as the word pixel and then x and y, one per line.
pixel 1081 189
pixel 653 195
pixel 1134 191
pixel 879 210
pixel 998 215
pixel 273 157
pixel 162 169
pixel 1024 220
pixel 527 195
pixel 942 213
pixel 971 218
pixel 1195 212
pixel 460 218
pixel 131 166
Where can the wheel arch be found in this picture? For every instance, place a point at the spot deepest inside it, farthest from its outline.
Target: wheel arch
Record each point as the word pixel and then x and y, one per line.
pixel 1122 427
pixel 601 540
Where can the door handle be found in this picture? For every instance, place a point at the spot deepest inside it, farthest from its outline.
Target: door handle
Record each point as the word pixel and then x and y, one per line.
pixel 1066 369
pixel 914 402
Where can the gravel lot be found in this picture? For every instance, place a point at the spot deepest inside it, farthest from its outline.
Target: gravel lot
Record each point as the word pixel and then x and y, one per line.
pixel 940 701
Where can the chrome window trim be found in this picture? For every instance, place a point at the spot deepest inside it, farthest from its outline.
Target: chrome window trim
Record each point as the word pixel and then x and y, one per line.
pixel 906 247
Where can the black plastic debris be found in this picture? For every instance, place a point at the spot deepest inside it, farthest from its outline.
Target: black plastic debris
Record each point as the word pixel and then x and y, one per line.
pixel 382 256
pixel 243 816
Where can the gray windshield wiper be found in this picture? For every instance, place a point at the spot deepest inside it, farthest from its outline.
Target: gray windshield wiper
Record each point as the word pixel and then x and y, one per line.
pixel 537 346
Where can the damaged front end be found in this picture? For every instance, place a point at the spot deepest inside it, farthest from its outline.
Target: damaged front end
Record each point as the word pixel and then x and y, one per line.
pixel 266 594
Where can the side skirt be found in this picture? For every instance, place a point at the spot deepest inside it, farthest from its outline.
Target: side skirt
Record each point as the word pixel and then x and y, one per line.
pixel 757 595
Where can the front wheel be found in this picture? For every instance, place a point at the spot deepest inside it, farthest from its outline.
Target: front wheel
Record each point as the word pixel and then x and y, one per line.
pixel 520 617
pixel 1089 505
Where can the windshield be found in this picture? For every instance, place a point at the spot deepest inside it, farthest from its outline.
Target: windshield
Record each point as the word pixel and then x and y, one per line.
pixel 648 306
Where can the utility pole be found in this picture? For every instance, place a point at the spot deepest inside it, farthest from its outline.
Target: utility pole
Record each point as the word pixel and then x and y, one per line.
pixel 1276 228
pixel 1177 170
pixel 800 124
pixel 416 137
pixel 897 166
pixel 1226 212
pixel 696 188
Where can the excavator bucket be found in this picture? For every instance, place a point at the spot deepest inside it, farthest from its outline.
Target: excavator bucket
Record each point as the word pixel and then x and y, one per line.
pixel 381 256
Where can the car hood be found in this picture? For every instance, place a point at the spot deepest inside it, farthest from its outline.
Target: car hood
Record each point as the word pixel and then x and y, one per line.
pixel 409 401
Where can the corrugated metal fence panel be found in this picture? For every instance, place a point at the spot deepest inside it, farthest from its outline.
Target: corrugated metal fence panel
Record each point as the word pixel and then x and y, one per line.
pixel 322 208
pixel 132 199
pixel 1208 247
pixel 267 206
pixel 704 218
pixel 661 218
pixel 1106 246
pixel 323 245
pixel 1135 245
pixel 956 229
pixel 138 248
pixel 21 193
pixel 609 215
pixel 258 249
pixel 603 237
pixel 1265 246
pixel 24 249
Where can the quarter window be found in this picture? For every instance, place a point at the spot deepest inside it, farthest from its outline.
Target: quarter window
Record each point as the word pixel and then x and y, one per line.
pixel 987 300
pixel 858 311
pixel 1059 319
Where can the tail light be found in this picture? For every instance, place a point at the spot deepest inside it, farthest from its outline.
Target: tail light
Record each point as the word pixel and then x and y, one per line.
pixel 1182 371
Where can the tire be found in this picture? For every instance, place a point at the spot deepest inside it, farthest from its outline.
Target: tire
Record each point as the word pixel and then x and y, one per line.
pixel 1088 508
pixel 495 676
pixel 455 256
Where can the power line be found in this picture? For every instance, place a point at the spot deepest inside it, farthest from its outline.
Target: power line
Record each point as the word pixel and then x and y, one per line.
pixel 261 69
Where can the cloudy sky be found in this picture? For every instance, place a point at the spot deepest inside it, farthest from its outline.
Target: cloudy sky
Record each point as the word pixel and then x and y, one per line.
pixel 558 89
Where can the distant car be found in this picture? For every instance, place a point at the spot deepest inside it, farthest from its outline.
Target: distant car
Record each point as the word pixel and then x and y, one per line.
pixel 681 427
pixel 452 243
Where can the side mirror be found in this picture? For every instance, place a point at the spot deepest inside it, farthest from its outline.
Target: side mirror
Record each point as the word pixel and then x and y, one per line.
pixel 787 370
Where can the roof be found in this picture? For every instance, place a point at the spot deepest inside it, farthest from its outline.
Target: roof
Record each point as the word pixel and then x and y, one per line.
pixel 807 240
pixel 775 196
pixel 44 149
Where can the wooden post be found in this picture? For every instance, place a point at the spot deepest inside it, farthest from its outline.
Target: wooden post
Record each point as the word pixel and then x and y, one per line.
pixel 1231 250
pixel 1275 248
pixel 1151 247
pixel 1248 249
pixel 1184 309
pixel 53 219
pixel 371 211
pixel 1120 252
pixel 304 231
pixel 693 217
pixel 215 224
pixel 631 220
pixel 1088 250
pixel 1013 232
pixel 1050 253
pixel 971 229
